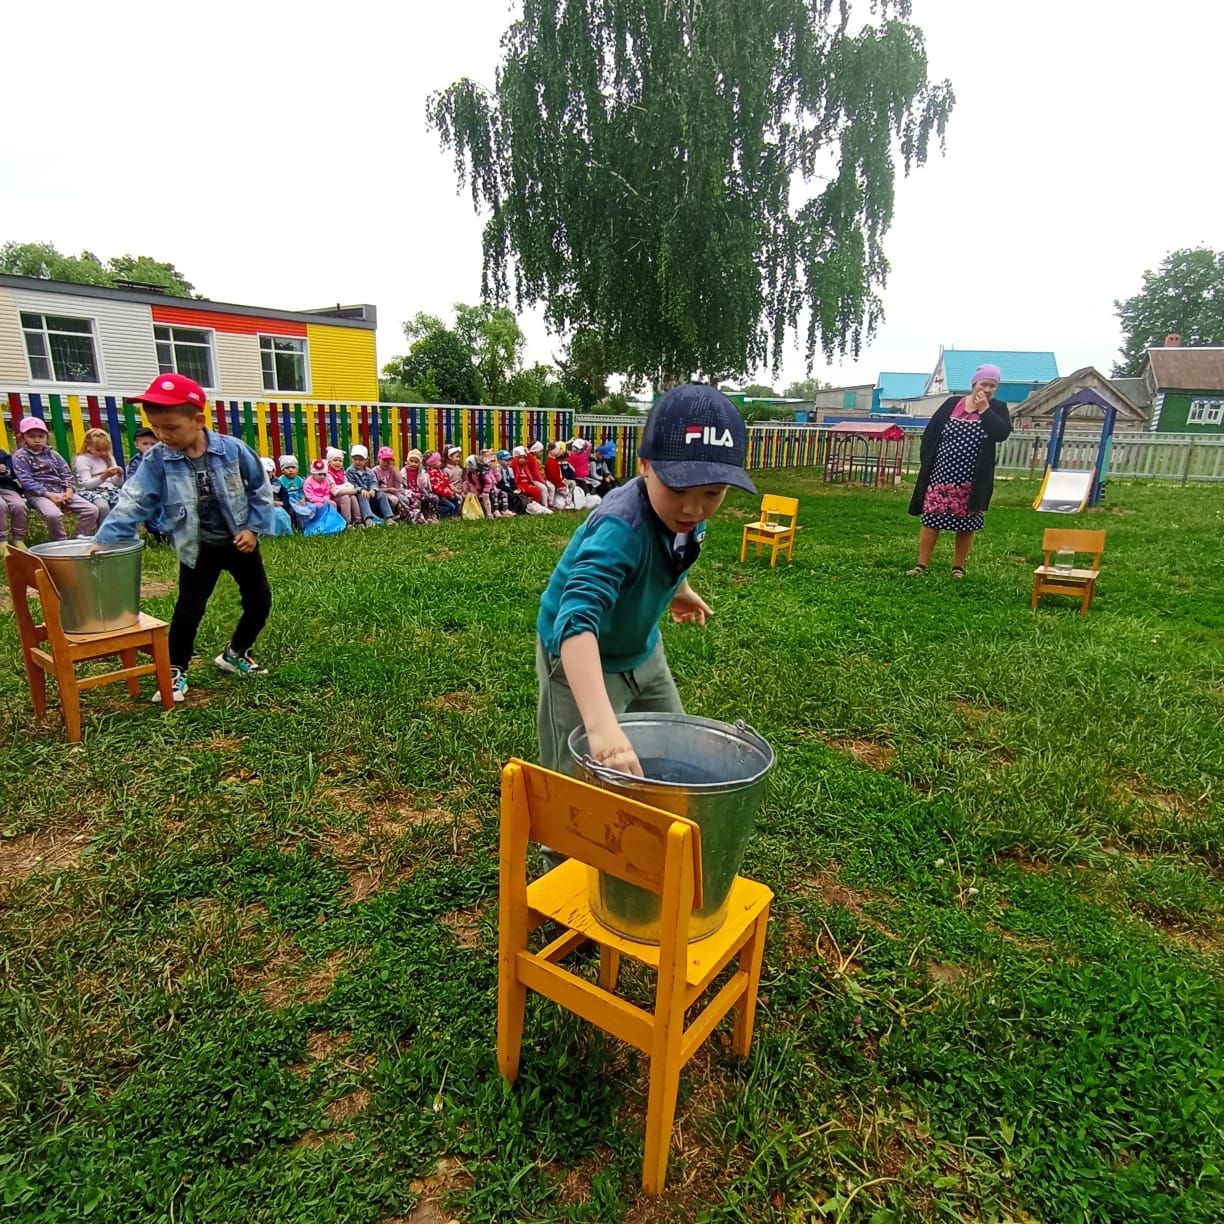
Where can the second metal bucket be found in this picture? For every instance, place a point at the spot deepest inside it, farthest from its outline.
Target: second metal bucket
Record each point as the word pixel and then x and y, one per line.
pixel 98 585
pixel 712 772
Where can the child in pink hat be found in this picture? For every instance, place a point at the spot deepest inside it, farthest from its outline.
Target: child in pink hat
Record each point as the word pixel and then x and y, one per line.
pixel 46 479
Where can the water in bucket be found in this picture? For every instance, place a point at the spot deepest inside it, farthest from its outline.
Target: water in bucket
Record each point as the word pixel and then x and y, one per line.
pixel 711 772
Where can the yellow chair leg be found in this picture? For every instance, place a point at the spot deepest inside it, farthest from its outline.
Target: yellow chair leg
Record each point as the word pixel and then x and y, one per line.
pixel 661 1105
pixel 745 1010
pixel 511 1007
pixel 609 967
pixel 744 547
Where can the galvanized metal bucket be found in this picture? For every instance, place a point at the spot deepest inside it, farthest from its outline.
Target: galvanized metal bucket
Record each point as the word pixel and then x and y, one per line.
pixel 713 773
pixel 98 585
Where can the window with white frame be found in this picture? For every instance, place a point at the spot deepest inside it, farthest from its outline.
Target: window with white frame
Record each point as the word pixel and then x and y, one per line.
pixel 185 350
pixel 284 363
pixel 1205 412
pixel 59 348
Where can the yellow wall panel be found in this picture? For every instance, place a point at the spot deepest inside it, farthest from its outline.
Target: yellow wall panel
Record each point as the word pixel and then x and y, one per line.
pixel 343 367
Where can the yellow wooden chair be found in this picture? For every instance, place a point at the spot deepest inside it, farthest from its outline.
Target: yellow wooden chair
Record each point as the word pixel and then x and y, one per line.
pixel 656 851
pixel 1079 583
pixel 768 532
pixel 25 573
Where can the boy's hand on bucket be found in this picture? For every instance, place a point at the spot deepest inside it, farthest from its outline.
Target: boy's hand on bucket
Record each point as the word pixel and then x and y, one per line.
pixel 612 749
pixel 688 608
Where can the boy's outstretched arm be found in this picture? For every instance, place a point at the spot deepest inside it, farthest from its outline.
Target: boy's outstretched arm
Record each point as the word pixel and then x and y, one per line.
pixel 609 745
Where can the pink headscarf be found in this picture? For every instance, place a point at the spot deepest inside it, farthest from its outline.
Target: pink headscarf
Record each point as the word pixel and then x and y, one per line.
pixel 986 373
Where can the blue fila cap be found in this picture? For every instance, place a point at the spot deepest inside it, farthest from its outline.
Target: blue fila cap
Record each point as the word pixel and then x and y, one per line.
pixel 695 436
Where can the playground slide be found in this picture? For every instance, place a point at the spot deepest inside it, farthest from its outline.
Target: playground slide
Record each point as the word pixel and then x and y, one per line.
pixel 1064 492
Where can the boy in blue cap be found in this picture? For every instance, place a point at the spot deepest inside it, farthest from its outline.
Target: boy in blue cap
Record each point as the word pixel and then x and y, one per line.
pixel 599 653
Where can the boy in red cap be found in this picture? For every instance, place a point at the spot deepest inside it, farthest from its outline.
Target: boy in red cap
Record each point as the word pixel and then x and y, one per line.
pixel 210 494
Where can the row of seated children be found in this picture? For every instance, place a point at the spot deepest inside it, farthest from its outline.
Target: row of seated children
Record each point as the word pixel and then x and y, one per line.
pixel 37 476
pixel 491 484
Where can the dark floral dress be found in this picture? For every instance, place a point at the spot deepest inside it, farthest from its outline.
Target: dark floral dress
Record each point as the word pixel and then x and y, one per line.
pixel 946 505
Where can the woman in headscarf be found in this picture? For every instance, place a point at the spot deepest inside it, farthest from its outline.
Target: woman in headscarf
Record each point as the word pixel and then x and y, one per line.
pixel 956 473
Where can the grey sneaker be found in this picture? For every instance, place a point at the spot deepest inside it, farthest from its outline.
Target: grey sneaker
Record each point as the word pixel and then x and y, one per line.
pixel 178 687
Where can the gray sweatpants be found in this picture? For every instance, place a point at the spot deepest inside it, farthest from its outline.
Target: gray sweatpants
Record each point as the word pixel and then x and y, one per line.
pixel 649 687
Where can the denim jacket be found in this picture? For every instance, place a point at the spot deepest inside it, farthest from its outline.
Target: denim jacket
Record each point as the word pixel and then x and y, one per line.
pixel 165 485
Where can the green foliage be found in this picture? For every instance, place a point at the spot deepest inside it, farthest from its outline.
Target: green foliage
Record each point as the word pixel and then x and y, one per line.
pixel 636 161
pixel 585 367
pixel 251 972
pixel 496 342
pixel 804 388
pixel 438 369
pixel 758 389
pixel 1184 296
pixel 41 259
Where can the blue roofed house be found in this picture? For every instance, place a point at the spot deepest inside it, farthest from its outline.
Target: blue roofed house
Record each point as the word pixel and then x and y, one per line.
pixel 1023 372
pixel 894 391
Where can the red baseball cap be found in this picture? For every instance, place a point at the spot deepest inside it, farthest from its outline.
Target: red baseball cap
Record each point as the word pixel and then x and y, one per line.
pixel 172 389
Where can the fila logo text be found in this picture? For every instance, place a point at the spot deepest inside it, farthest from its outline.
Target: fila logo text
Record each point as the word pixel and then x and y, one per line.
pixel 709 435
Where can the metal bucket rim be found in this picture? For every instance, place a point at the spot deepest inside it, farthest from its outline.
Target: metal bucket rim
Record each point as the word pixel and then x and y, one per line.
pixel 84 549
pixel 738 730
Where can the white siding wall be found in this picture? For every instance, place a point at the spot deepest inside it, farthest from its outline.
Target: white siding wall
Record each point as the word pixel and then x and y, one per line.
pixel 238 370
pixel 123 334
pixel 13 369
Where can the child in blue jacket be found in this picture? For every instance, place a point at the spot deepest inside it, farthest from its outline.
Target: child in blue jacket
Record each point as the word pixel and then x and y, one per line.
pixel 210 494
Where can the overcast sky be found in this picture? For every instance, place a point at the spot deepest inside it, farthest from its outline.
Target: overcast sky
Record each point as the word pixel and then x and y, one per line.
pixel 278 155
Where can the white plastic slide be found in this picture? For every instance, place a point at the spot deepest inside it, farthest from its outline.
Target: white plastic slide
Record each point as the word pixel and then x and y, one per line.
pixel 1064 492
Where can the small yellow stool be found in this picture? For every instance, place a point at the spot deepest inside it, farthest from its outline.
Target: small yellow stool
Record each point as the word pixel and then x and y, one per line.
pixel 658 852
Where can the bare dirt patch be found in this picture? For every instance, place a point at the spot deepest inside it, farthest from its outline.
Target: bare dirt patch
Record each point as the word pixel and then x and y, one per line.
pixel 224 743
pixel 972 712
pixel 463 703
pixel 464 925
pixel 347 1106
pixel 317 984
pixel 441 554
pixel 154 590
pixel 832 891
pixel 944 973
pixel 448 1175
pixel 275 976
pixel 322 1044
pixel 316 1139
pixel 43 852
pixel 877 756
pixel 1162 800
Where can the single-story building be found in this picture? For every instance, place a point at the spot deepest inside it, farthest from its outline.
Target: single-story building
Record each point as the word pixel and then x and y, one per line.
pixel 895 392
pixel 1186 386
pixel 1130 401
pixel 1022 372
pixel 61 338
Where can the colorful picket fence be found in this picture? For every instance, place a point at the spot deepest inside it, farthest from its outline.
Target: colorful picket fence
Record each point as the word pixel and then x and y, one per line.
pixel 304 429
pixel 307 429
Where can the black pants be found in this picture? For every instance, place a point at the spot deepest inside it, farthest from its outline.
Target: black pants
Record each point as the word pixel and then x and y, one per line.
pixel 196 588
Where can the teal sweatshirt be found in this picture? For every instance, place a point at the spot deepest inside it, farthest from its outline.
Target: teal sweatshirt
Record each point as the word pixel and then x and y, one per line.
pixel 616 579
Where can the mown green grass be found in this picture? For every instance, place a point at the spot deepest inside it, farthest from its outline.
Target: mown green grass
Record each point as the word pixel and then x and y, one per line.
pixel 260 987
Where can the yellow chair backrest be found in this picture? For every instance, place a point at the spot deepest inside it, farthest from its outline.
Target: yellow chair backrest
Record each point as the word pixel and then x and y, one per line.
pixel 772 506
pixel 1055 538
pixel 601 828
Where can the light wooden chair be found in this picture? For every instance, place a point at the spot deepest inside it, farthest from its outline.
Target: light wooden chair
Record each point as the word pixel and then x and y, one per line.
pixel 768 532
pixel 1079 583
pixel 26 573
pixel 656 851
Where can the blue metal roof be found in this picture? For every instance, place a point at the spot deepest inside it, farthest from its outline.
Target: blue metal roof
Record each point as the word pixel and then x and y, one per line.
pixel 894 386
pixel 959 365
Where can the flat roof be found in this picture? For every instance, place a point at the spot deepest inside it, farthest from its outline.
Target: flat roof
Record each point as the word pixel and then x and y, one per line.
pixel 363 316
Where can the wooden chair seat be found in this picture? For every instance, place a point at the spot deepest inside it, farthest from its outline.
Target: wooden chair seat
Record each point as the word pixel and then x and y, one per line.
pixel 26 573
